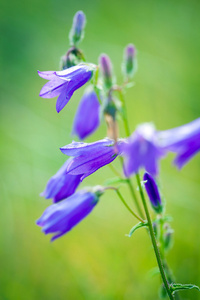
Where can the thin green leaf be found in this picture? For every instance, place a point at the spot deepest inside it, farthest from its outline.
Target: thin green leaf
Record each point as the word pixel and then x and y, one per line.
pixel 153 272
pixel 178 286
pixel 137 226
pixel 115 180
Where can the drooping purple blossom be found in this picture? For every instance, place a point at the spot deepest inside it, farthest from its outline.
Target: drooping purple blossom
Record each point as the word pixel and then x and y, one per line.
pixel 87 117
pixel 64 83
pixel 89 157
pixel 61 217
pixel 142 149
pixel 77 31
pixel 183 140
pixel 153 192
pixel 61 185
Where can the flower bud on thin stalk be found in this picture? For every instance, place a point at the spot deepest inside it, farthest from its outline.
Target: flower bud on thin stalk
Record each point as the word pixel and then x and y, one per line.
pixel 73 57
pixel 106 71
pixel 77 31
pixel 129 64
pixel 153 193
pixel 167 238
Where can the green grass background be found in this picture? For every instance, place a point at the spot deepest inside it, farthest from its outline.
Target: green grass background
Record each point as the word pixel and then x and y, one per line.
pixel 95 260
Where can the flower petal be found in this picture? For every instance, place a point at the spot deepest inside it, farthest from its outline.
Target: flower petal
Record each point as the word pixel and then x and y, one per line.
pixel 80 148
pixel 63 98
pixel 52 88
pixel 87 117
pixel 49 75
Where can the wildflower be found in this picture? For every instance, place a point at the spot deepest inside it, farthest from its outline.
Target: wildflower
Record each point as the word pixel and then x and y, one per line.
pixel 61 185
pixel 153 193
pixel 77 31
pixel 87 117
pixel 61 217
pixel 89 157
pixel 142 150
pixel 129 65
pixel 64 83
pixel 183 140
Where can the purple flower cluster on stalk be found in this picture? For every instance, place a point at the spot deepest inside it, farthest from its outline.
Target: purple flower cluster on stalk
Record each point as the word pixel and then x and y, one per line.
pixel 143 149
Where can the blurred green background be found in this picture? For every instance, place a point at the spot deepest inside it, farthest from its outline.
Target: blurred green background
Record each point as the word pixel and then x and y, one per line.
pixel 95 260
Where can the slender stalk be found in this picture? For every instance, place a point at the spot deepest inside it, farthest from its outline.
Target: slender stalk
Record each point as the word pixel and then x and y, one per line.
pixel 124 115
pixel 133 194
pixel 135 197
pixel 115 171
pixel 127 131
pixel 129 209
pixel 153 239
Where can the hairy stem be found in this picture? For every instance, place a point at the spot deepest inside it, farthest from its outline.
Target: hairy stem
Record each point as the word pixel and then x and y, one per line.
pixel 154 243
pixel 127 206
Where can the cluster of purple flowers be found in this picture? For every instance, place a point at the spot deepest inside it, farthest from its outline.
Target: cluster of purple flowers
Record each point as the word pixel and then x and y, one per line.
pixel 143 149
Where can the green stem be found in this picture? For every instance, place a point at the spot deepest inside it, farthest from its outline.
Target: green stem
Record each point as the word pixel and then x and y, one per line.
pixel 115 171
pixel 133 194
pixel 153 239
pixel 124 115
pixel 135 197
pixel 129 209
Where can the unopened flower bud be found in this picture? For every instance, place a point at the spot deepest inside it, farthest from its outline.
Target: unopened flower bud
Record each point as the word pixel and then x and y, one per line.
pixel 77 31
pixel 153 193
pixel 168 237
pixel 155 229
pixel 106 70
pixel 66 62
pixel 129 65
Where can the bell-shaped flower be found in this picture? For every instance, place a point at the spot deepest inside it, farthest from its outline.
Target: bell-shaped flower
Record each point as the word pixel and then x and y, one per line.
pixel 87 117
pixel 153 192
pixel 61 185
pixel 61 217
pixel 141 150
pixel 183 140
pixel 64 83
pixel 89 157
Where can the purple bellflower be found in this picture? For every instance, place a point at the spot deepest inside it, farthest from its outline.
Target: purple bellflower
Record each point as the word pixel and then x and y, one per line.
pixel 64 83
pixel 141 150
pixel 61 185
pixel 87 117
pixel 88 158
pixel 183 140
pixel 153 193
pixel 61 217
